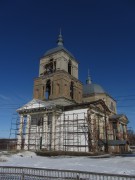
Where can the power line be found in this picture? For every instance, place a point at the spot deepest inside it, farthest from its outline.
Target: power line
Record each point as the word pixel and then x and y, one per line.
pixel 125 99
pixel 130 95
pixel 126 106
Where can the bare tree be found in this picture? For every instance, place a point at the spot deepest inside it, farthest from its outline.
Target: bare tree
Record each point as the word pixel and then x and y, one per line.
pixel 131 137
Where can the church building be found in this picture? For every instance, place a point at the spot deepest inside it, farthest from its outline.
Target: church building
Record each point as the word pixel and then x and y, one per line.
pixel 66 115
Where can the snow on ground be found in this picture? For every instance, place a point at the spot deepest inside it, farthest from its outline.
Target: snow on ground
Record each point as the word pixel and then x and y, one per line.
pixel 117 164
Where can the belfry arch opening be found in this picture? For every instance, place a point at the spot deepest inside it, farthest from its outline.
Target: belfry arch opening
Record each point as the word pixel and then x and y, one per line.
pixel 69 66
pixel 48 89
pixel 50 67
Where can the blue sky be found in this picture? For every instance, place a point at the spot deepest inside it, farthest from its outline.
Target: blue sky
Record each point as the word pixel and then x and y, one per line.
pixel 100 34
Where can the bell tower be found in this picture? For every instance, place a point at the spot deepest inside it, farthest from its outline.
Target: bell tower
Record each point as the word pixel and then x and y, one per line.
pixel 58 75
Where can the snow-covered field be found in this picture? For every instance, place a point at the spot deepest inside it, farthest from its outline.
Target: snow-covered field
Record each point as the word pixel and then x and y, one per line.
pixel 117 165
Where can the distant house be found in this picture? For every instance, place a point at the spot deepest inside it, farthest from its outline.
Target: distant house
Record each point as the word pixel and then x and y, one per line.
pixel 8 144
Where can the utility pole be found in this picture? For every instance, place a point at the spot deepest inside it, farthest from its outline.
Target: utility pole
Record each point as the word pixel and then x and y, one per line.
pixel 106 134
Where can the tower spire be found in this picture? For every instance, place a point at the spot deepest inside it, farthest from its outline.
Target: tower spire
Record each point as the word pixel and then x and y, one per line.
pixel 60 41
pixel 88 81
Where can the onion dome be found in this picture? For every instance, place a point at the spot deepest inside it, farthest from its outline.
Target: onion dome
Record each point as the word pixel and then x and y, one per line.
pixel 60 47
pixel 90 88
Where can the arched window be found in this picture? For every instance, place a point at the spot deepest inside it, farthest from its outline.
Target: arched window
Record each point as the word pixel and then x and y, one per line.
pixel 48 89
pixel 65 90
pixel 69 67
pixel 54 67
pixel 43 91
pixel 58 89
pixel 72 90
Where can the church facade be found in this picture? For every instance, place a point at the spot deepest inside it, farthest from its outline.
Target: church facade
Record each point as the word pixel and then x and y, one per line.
pixel 66 115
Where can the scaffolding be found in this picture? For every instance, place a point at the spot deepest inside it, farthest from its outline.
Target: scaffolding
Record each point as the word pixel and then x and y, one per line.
pixel 70 135
pixel 13 129
pixel 55 129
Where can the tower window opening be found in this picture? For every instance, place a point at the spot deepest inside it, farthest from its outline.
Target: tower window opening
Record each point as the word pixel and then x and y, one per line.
pixel 69 67
pixel 54 68
pixel 48 89
pixel 72 90
pixel 48 68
